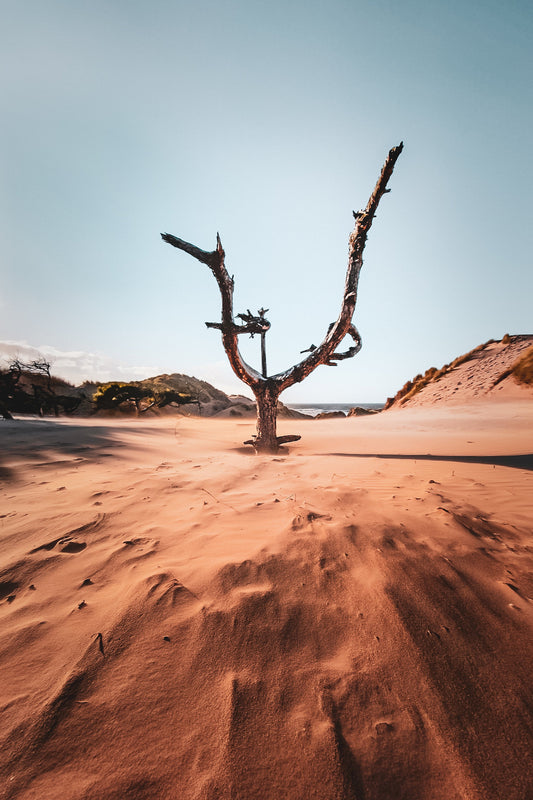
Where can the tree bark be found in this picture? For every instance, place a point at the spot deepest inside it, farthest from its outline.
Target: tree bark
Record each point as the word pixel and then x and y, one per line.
pixel 268 389
pixel 266 395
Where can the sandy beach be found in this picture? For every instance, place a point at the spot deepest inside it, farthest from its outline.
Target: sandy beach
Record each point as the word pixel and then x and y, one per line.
pixel 351 618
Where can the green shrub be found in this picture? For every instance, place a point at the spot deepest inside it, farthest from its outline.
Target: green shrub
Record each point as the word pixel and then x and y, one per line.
pixel 125 396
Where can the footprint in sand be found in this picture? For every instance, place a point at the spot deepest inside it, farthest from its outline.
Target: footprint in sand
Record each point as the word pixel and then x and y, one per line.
pixel 74 547
pixel 145 542
pixel 383 727
pixel 7 588
pixel 46 546
pixel 300 520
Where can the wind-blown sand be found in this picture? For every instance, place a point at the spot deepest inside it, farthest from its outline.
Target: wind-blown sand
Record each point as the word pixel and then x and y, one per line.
pixel 351 619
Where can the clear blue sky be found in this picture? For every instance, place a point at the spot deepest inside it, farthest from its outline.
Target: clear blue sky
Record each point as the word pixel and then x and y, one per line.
pixel 269 122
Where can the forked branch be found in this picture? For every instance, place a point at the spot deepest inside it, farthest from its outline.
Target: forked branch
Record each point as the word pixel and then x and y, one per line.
pixel 268 388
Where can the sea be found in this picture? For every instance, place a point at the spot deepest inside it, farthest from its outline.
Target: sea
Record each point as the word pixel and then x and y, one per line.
pixel 317 408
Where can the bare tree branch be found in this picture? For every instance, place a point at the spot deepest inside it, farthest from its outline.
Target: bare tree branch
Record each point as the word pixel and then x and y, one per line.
pixel 209 258
pixel 363 222
pixel 215 261
pixel 354 349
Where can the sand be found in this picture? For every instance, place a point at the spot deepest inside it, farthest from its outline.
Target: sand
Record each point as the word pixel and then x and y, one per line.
pixel 351 618
pixel 482 375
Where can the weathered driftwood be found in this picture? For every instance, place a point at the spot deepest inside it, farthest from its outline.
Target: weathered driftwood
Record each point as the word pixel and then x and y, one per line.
pixel 292 437
pixel 267 389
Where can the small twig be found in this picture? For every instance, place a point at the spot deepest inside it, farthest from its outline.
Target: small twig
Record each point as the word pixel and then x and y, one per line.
pixel 219 501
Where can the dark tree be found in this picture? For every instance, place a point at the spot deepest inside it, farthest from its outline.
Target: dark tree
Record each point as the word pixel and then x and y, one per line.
pixel 125 396
pixel 168 397
pixel 267 389
pixel 29 388
pixel 7 389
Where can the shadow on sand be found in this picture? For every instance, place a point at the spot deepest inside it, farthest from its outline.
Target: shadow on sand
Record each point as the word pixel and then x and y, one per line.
pixel 518 462
pixel 52 442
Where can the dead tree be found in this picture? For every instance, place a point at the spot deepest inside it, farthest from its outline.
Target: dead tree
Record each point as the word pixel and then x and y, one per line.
pixel 267 389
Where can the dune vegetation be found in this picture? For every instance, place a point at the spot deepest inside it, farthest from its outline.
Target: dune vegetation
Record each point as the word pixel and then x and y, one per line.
pixel 431 375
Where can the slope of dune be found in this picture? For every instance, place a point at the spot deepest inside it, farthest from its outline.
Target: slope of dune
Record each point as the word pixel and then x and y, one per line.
pixel 487 372
pixel 348 619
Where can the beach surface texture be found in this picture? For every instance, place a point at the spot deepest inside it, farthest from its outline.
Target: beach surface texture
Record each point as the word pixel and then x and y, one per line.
pixel 349 619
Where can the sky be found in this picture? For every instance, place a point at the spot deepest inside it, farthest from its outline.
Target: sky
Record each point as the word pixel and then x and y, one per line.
pixel 268 122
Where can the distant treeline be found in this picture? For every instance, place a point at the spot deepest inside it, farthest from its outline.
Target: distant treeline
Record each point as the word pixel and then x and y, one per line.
pixel 30 388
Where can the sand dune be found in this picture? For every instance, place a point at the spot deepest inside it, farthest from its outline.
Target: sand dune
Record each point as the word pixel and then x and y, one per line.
pixel 350 619
pixel 484 373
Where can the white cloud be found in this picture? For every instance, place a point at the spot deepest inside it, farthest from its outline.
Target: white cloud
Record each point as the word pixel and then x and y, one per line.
pixel 76 365
pixel 220 374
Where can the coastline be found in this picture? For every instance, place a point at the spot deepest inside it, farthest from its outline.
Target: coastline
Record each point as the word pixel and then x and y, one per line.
pixel 313 409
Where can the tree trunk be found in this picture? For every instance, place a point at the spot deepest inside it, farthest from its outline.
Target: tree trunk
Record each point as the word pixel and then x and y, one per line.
pixel 266 395
pixel 4 411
